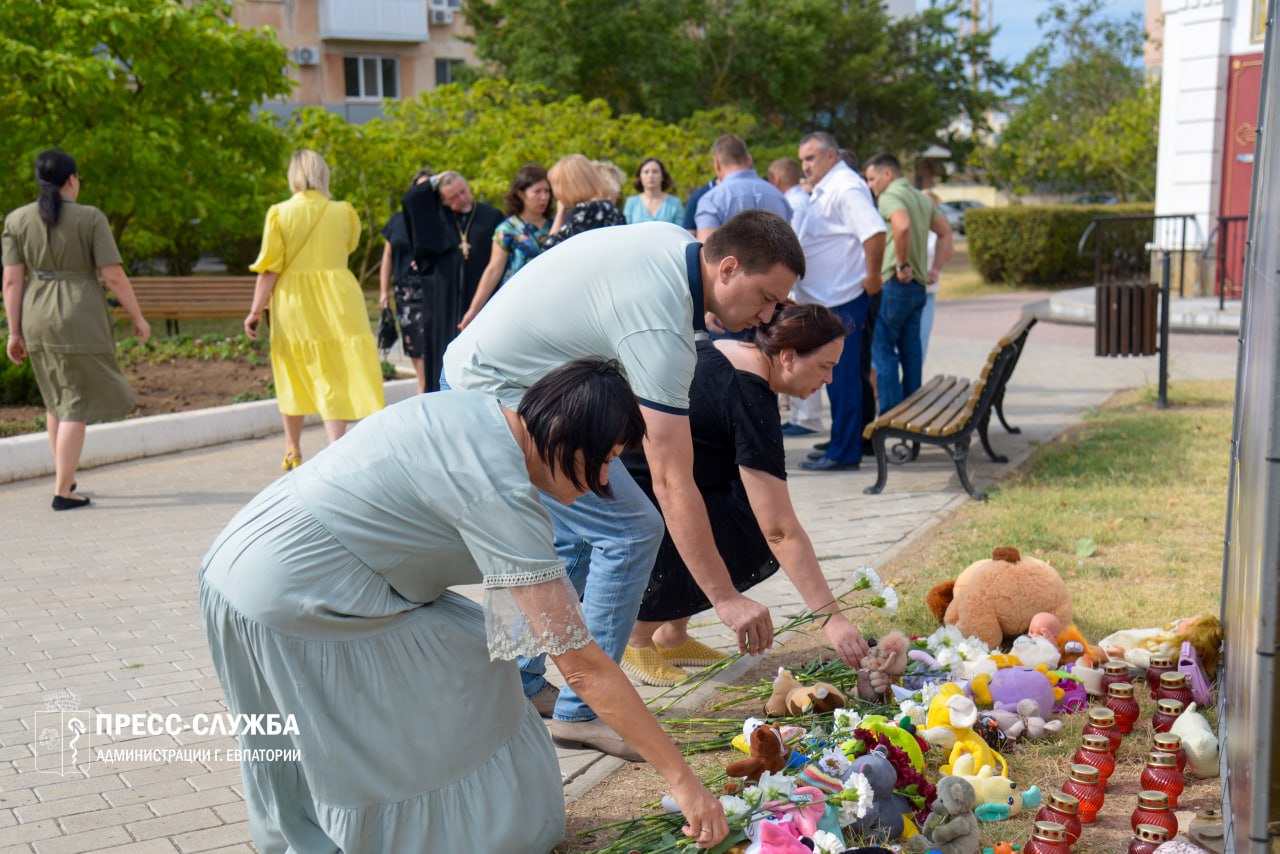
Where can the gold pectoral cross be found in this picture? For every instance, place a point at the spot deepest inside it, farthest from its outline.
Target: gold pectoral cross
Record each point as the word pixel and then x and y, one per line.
pixel 465 246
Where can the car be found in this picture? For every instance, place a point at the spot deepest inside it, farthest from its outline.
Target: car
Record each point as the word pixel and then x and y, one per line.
pixel 1096 199
pixel 954 214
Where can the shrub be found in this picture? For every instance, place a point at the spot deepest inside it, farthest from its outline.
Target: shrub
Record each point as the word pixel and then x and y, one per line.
pixel 17 382
pixel 1036 244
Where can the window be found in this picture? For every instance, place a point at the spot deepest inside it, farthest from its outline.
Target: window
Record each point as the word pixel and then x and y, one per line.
pixel 371 78
pixel 447 70
pixel 453 5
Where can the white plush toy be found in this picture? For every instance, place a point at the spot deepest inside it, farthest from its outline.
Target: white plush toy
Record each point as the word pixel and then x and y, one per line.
pixel 1034 651
pixel 1198 742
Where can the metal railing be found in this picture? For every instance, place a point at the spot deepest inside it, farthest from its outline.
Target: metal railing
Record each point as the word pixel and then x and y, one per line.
pixel 1227 244
pixel 1123 245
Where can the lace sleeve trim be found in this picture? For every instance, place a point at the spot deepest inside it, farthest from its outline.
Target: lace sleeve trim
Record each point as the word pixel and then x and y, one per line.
pixel 533 619
pixel 524 579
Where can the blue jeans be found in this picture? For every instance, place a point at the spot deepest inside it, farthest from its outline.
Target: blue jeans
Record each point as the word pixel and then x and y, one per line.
pixel 609 546
pixel 845 389
pixel 896 353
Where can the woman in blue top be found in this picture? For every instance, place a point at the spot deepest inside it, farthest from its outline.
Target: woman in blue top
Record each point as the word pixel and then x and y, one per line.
pixel 654 202
pixel 516 239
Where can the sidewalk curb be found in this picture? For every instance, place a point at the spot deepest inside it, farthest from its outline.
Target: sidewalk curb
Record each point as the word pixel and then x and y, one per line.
pixel 23 457
pixel 1075 307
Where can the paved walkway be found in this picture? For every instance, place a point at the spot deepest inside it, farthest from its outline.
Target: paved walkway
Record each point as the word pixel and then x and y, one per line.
pixel 98 612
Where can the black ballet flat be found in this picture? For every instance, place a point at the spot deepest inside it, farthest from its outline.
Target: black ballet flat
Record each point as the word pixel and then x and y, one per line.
pixel 60 503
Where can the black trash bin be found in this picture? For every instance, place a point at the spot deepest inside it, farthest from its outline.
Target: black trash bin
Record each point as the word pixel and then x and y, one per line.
pixel 1126 319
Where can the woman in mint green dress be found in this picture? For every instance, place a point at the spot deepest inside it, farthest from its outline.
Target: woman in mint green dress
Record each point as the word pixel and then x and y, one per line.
pixel 328 598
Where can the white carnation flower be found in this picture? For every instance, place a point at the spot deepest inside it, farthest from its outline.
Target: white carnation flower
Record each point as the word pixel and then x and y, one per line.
pixel 834 762
pixel 776 786
pixel 890 607
pixel 859 783
pixel 872 577
pixel 847 719
pixel 734 807
pixel 827 843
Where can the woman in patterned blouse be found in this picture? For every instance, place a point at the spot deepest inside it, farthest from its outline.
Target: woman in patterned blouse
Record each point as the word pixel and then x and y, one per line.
pixel 583 201
pixel 516 241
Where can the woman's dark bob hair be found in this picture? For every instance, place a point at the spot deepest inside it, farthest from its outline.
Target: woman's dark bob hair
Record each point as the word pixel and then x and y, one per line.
pixel 803 327
pixel 529 174
pixel 666 176
pixel 582 406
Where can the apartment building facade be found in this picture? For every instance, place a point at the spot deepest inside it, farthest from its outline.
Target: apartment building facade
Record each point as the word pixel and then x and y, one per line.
pixel 350 55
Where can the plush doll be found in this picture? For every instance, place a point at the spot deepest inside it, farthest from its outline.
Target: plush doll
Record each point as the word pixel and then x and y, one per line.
pixel 768 753
pixel 1026 722
pixel 994 599
pixel 881 667
pixel 884 821
pixel 789 697
pixel 1045 625
pixel 949 725
pixel 1137 646
pixel 998 796
pixel 1198 742
pixel 1076 650
pixel 951 827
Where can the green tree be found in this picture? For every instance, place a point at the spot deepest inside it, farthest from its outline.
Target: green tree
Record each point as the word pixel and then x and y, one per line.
pixel 154 99
pixel 1078 88
pixel 487 132
pixel 797 65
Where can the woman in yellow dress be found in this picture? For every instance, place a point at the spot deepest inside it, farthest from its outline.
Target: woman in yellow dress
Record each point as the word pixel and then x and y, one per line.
pixel 323 354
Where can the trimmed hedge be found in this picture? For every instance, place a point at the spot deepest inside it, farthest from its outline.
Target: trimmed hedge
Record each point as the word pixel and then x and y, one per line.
pixel 1035 244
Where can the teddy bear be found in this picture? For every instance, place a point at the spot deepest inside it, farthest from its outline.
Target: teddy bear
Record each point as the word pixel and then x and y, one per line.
pixel 789 697
pixel 995 599
pixel 768 753
pixel 884 820
pixel 951 827
pixel 882 666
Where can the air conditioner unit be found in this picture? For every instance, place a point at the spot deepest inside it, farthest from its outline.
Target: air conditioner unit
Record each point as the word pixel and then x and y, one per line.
pixel 441 17
pixel 307 55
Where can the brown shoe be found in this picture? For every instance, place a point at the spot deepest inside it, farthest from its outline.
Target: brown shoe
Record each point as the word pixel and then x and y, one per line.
pixel 595 734
pixel 545 700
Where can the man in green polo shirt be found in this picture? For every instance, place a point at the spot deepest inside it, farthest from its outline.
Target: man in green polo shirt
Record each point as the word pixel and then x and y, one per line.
pixel 896 352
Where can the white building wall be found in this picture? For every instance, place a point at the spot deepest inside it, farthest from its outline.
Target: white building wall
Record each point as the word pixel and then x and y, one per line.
pixel 1198 38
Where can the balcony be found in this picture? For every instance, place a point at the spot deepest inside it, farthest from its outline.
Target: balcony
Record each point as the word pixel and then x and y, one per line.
pixel 374 20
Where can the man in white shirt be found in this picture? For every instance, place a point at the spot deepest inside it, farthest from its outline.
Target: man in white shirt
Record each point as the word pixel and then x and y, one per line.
pixel 843 237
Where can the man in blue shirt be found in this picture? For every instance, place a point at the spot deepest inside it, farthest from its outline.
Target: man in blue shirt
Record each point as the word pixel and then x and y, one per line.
pixel 739 188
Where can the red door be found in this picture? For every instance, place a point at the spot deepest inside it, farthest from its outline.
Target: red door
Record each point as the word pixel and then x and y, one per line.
pixel 1244 87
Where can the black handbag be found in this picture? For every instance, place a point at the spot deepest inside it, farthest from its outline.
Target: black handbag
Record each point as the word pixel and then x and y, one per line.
pixel 387 333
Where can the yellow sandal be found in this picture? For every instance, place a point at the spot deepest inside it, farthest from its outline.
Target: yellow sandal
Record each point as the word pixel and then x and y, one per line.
pixel 645 664
pixel 292 459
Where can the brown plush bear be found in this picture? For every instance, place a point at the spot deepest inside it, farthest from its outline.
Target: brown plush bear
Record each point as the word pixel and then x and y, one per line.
pixel 996 599
pixel 789 697
pixel 768 753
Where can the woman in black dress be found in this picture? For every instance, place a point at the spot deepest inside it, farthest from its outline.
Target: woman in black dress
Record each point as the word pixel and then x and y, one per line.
pixel 398 270
pixel 740 469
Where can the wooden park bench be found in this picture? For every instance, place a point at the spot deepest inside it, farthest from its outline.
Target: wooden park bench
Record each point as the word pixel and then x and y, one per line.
pixel 946 411
pixel 176 298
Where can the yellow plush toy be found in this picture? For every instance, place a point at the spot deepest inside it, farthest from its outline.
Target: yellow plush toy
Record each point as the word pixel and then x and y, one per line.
pixel 949 725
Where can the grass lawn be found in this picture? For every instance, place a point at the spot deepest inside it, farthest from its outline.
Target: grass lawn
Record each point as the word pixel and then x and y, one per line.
pixel 961 281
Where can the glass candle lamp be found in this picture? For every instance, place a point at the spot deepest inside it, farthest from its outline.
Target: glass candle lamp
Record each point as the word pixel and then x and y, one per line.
pixel 1167 711
pixel 1120 701
pixel 1064 810
pixel 1148 838
pixel 1162 775
pixel 1083 785
pixel 1115 671
pixel 1167 742
pixel 1095 750
pixel 1159 665
pixel 1048 838
pixel 1103 722
pixel 1153 808
pixel 1173 686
